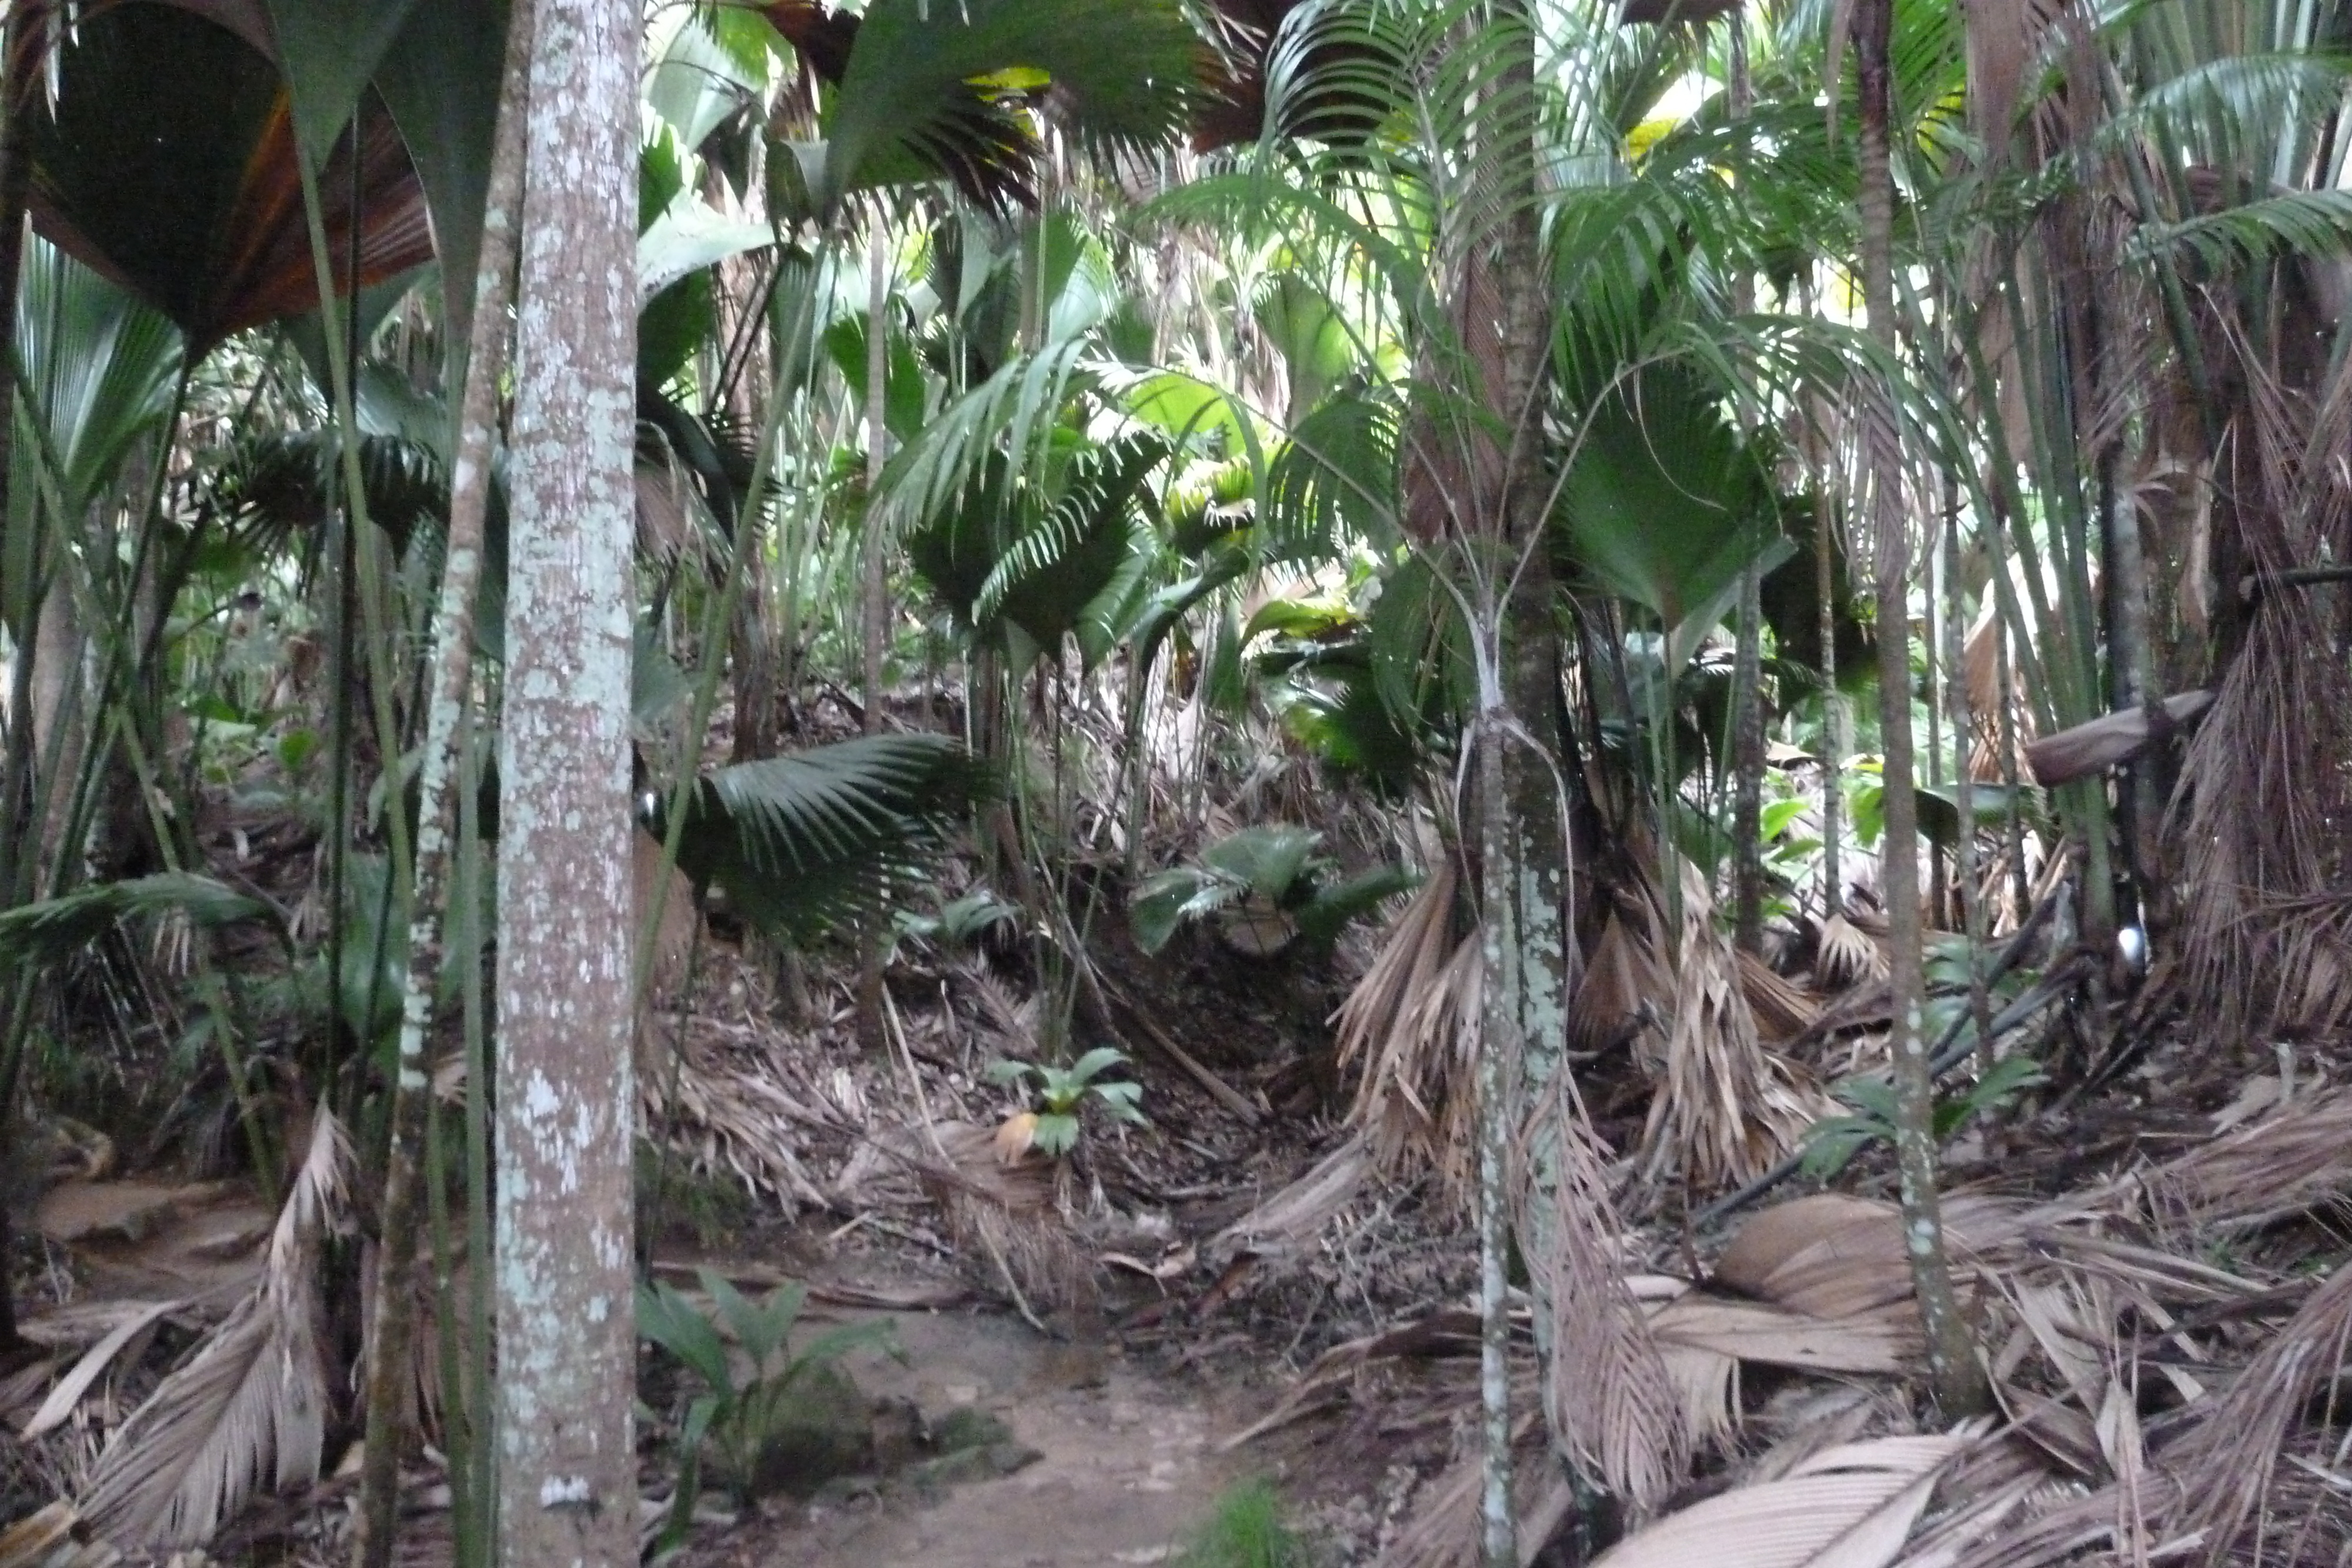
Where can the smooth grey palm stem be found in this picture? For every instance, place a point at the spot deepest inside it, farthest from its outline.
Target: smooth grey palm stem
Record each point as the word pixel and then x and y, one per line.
pixel 1748 665
pixel 1498 1046
pixel 1951 1354
pixel 394 1302
pixel 1964 833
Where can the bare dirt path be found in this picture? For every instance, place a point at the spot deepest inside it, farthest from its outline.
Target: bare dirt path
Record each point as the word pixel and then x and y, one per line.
pixel 1125 1465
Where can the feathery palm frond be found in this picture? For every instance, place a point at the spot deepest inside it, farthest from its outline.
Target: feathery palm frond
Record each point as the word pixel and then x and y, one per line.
pixel 55 928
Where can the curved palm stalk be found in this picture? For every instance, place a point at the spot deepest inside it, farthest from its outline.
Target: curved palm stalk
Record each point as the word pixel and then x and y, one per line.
pixel 1951 1353
pixel 388 1357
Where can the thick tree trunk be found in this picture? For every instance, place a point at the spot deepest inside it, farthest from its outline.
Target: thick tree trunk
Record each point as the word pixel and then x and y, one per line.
pixel 388 1361
pixel 1951 1354
pixel 566 1098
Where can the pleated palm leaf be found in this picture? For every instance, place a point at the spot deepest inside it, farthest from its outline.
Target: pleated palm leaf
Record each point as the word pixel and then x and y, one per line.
pixel 914 92
pixel 812 840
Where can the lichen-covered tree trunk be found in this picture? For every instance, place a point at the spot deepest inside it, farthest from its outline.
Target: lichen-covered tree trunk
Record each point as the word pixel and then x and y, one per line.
pixel 1951 1354
pixel 567 1475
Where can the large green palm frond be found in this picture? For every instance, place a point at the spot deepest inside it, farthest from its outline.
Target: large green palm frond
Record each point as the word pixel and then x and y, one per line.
pixel 98 368
pixel 168 162
pixel 921 90
pixel 813 839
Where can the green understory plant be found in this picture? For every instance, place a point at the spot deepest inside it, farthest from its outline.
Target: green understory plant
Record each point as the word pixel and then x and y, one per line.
pixel 1272 886
pixel 735 1414
pixel 1059 1095
pixel 1834 1141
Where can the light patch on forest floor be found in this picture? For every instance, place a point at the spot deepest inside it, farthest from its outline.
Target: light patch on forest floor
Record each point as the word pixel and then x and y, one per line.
pixel 1127 1465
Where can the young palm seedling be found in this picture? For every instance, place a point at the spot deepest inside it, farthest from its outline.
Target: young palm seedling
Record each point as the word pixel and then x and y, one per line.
pixel 1058 1095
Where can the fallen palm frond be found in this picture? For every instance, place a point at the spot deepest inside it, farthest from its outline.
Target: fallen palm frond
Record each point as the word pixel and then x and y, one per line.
pixel 2109 739
pixel 2284 1163
pixel 55 1537
pixel 1726 1109
pixel 1444 1531
pixel 1625 989
pixel 2228 1463
pixel 249 1406
pixel 1703 1338
pixel 1608 1393
pixel 1782 1012
pixel 1414 1021
pixel 736 1119
pixel 70 1389
pixel 1853 1507
pixel 1004 1210
pixel 1285 1225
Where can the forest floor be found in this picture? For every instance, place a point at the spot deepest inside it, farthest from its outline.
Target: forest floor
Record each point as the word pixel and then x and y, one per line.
pixel 1225 1296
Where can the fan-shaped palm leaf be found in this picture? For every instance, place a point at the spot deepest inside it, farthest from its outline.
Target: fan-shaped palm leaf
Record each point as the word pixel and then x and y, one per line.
pixel 813 837
pixel 924 91
pixel 194 201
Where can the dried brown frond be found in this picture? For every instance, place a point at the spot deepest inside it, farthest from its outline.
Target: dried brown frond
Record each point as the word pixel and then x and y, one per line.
pixel 1004 1212
pixel 2228 1464
pixel 1444 1531
pixel 249 1406
pixel 1726 1109
pixel 55 1537
pixel 1852 1506
pixel 1286 1224
pixel 1413 1020
pixel 735 1118
pixel 2288 1163
pixel 1781 1010
pixel 1625 990
pixel 1608 1395
pixel 1836 1256
pixel 2266 785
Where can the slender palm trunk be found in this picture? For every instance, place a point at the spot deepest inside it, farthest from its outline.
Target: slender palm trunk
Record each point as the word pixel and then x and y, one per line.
pixel 877 602
pixel 565 1090
pixel 388 1358
pixel 1746 670
pixel 1523 852
pixel 1951 1354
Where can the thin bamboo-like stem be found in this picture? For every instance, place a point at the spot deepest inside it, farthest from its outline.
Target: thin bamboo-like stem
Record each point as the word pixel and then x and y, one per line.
pixel 1951 1353
pixel 394 1305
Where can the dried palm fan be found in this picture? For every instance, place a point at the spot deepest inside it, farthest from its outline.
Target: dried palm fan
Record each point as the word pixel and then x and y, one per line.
pixel 1413 1020
pixel 1626 991
pixel 1726 1109
pixel 1982 661
pixel 1444 1531
pixel 1847 955
pixel 249 1406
